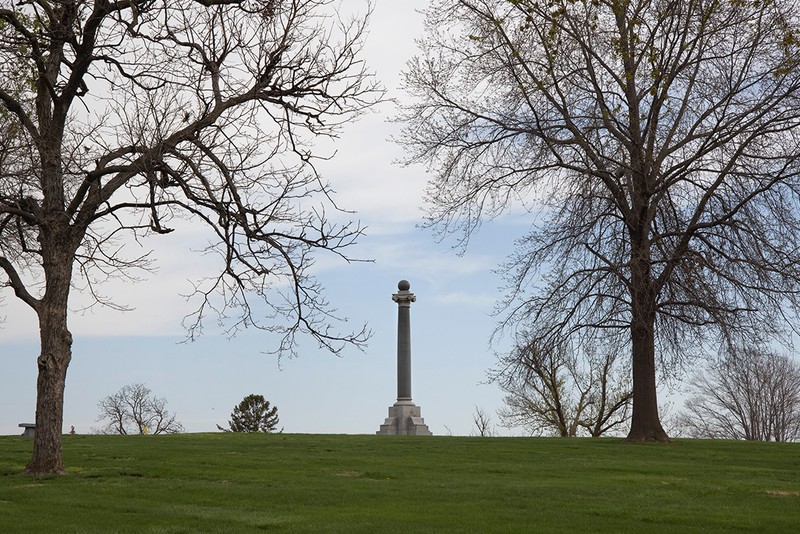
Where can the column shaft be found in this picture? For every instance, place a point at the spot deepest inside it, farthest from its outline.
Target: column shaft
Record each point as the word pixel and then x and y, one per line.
pixel 403 351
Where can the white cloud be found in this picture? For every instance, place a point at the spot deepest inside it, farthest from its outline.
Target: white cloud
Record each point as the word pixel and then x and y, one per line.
pixel 463 298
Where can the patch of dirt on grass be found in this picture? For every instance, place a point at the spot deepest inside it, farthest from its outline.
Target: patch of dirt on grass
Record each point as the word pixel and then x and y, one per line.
pixel 350 474
pixel 782 493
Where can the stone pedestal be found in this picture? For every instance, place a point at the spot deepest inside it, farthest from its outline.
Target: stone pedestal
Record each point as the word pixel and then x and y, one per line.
pixel 405 419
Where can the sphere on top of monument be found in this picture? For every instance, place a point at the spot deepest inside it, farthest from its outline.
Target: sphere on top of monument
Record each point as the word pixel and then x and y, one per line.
pixel 403 285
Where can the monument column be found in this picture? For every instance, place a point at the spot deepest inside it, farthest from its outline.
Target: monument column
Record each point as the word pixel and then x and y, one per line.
pixel 405 417
pixel 404 298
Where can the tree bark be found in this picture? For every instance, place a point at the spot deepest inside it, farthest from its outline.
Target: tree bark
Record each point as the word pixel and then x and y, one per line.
pixel 53 362
pixel 56 353
pixel 645 421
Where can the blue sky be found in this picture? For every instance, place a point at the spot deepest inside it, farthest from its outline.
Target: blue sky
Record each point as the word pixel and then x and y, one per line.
pixel 315 393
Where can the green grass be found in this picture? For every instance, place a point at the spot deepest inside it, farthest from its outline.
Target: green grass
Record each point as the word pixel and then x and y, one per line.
pixel 323 483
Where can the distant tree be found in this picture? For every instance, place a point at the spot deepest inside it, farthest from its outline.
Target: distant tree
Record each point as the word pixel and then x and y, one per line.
pixel 121 119
pixel 553 391
pixel 753 394
pixel 253 414
pixel 654 144
pixel 133 410
pixel 482 423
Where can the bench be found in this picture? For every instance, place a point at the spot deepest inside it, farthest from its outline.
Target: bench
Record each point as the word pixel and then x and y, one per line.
pixel 29 429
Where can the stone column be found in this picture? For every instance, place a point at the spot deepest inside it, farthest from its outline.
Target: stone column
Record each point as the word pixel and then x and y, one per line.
pixel 404 298
pixel 405 417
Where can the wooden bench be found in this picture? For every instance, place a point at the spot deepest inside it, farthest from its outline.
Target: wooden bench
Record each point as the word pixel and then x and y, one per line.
pixel 29 429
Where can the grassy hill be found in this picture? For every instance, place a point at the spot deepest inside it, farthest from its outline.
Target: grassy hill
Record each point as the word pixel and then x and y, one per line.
pixel 311 483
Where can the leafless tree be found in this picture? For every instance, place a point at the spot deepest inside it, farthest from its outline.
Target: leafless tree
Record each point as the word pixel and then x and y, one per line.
pixel 482 423
pixel 553 391
pixel 123 117
pixel 133 410
pixel 751 394
pixel 655 145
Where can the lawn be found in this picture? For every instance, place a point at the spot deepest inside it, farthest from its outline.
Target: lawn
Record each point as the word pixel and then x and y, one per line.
pixel 330 483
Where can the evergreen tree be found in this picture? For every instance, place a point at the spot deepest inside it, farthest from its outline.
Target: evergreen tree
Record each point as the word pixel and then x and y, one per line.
pixel 253 414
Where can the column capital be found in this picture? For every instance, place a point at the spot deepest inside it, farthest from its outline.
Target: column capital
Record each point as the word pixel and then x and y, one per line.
pixel 404 297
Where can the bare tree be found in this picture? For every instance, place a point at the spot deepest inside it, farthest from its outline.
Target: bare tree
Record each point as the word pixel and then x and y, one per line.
pixel 133 410
pixel 553 391
pixel 752 394
pixel 126 117
pixel 482 423
pixel 656 146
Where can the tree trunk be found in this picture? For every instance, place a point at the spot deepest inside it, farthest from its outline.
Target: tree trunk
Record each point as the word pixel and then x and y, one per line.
pixel 645 422
pixel 56 353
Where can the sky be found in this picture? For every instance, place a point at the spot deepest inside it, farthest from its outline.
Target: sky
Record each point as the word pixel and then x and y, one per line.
pixel 451 321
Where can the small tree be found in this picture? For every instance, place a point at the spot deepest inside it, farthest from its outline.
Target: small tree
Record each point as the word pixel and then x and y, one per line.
pixel 253 414
pixel 553 391
pixel 482 422
pixel 132 410
pixel 753 394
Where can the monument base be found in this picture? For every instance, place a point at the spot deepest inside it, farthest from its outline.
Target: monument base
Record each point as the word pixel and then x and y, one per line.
pixel 405 419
